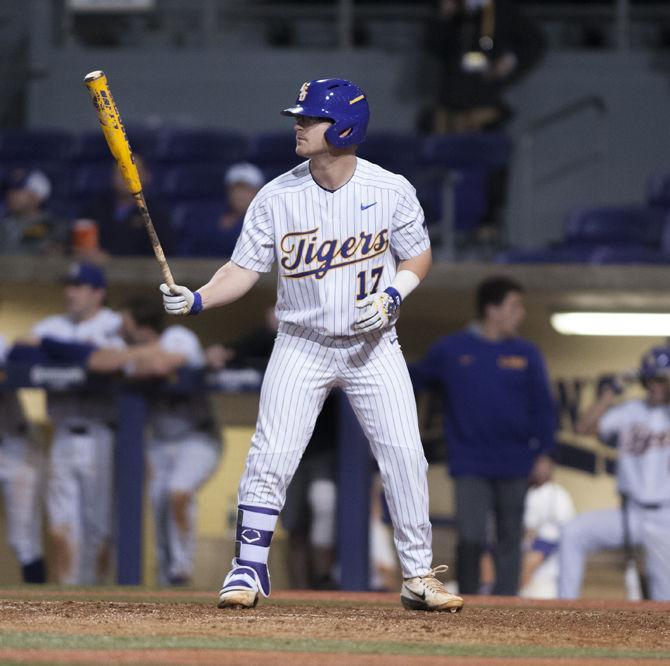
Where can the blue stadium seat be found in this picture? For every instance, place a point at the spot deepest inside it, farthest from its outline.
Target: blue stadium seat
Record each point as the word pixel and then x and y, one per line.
pixel 196 225
pixel 191 181
pixel 90 146
pixel 273 152
pixel 470 196
pixel 629 255
pixel 395 151
pixel 182 145
pixel 67 209
pixel 558 255
pixel 658 190
pixel 458 151
pixel 90 180
pixel 615 225
pixel 24 145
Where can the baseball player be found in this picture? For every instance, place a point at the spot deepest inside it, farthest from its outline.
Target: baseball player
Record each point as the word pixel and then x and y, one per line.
pixel 548 507
pixel 79 489
pixel 640 428
pixel 351 244
pixel 183 450
pixel 21 477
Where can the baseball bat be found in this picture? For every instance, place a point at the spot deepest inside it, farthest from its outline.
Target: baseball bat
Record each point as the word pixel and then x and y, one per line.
pixel 115 134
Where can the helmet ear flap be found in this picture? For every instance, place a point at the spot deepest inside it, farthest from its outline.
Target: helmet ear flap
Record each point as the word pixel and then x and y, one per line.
pixel 338 133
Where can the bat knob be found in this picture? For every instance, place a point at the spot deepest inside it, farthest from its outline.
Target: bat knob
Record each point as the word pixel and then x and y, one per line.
pixel 92 76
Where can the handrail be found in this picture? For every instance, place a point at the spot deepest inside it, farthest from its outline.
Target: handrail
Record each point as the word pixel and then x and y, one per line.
pixel 570 109
pixel 529 179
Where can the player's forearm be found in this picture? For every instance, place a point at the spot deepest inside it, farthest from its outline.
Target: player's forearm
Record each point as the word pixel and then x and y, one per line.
pixel 419 265
pixel 410 274
pixel 228 284
pixel 108 360
pixel 589 421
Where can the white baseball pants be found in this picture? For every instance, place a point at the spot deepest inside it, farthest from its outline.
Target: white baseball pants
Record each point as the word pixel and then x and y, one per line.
pixel 602 530
pixel 21 477
pixel 372 372
pixel 178 467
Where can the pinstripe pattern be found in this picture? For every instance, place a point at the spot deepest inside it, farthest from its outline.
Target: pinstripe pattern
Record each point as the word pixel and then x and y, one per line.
pixel 372 372
pixel 308 229
pixel 330 248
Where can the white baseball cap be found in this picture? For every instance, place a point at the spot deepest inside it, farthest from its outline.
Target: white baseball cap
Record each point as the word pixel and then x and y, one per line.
pixel 244 172
pixel 35 181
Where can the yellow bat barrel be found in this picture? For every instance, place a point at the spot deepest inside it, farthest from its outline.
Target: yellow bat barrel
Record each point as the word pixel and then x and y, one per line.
pixel 113 129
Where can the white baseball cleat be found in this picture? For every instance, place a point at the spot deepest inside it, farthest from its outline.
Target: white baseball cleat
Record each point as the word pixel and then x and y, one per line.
pixel 240 589
pixel 428 593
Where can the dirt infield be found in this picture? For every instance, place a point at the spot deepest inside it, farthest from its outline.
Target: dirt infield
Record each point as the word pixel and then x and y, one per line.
pixel 158 627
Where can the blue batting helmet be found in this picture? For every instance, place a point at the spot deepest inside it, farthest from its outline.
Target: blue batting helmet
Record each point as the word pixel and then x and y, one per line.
pixel 338 100
pixel 655 363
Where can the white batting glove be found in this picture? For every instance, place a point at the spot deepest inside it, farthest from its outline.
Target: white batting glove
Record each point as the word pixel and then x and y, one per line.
pixel 377 310
pixel 180 300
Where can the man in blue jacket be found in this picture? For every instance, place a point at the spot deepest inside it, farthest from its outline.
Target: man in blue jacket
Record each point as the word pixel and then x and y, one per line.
pixel 499 422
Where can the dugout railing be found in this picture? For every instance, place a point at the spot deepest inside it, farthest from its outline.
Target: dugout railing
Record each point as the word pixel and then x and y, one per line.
pixel 354 460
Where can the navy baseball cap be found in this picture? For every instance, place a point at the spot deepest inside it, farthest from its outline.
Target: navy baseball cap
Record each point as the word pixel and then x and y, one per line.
pixel 85 273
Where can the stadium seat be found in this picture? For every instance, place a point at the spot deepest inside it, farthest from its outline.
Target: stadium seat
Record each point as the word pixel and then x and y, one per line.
pixel 90 146
pixel 92 179
pixel 629 255
pixel 470 196
pixel 177 146
pixel 397 152
pixel 458 151
pixel 658 190
pixel 191 181
pixel 67 209
pixel 615 225
pixel 273 152
pixel 557 255
pixel 196 225
pixel 29 145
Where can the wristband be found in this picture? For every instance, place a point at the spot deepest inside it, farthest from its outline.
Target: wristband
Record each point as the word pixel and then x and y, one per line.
pixel 396 300
pixel 405 282
pixel 196 308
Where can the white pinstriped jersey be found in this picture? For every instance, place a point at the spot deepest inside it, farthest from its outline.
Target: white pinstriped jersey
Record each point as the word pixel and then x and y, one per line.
pixel 643 440
pixel 332 248
pixel 101 330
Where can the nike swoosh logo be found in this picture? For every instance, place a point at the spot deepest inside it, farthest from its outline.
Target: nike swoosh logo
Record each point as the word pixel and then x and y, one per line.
pixel 365 207
pixel 421 596
pixel 394 340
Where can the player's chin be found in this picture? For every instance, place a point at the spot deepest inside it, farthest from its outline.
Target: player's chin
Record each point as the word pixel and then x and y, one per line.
pixel 301 149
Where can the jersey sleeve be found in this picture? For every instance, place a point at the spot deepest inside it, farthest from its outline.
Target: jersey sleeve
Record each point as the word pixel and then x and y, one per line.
pixel 409 236
pixel 255 248
pixel 180 340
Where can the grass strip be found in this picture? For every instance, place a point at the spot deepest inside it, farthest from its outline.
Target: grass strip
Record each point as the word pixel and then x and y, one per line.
pixel 47 641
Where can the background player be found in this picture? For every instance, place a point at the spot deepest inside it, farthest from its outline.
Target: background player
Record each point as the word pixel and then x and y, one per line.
pixel 549 506
pixel 351 244
pixel 183 449
pixel 21 478
pixel 79 492
pixel 641 431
